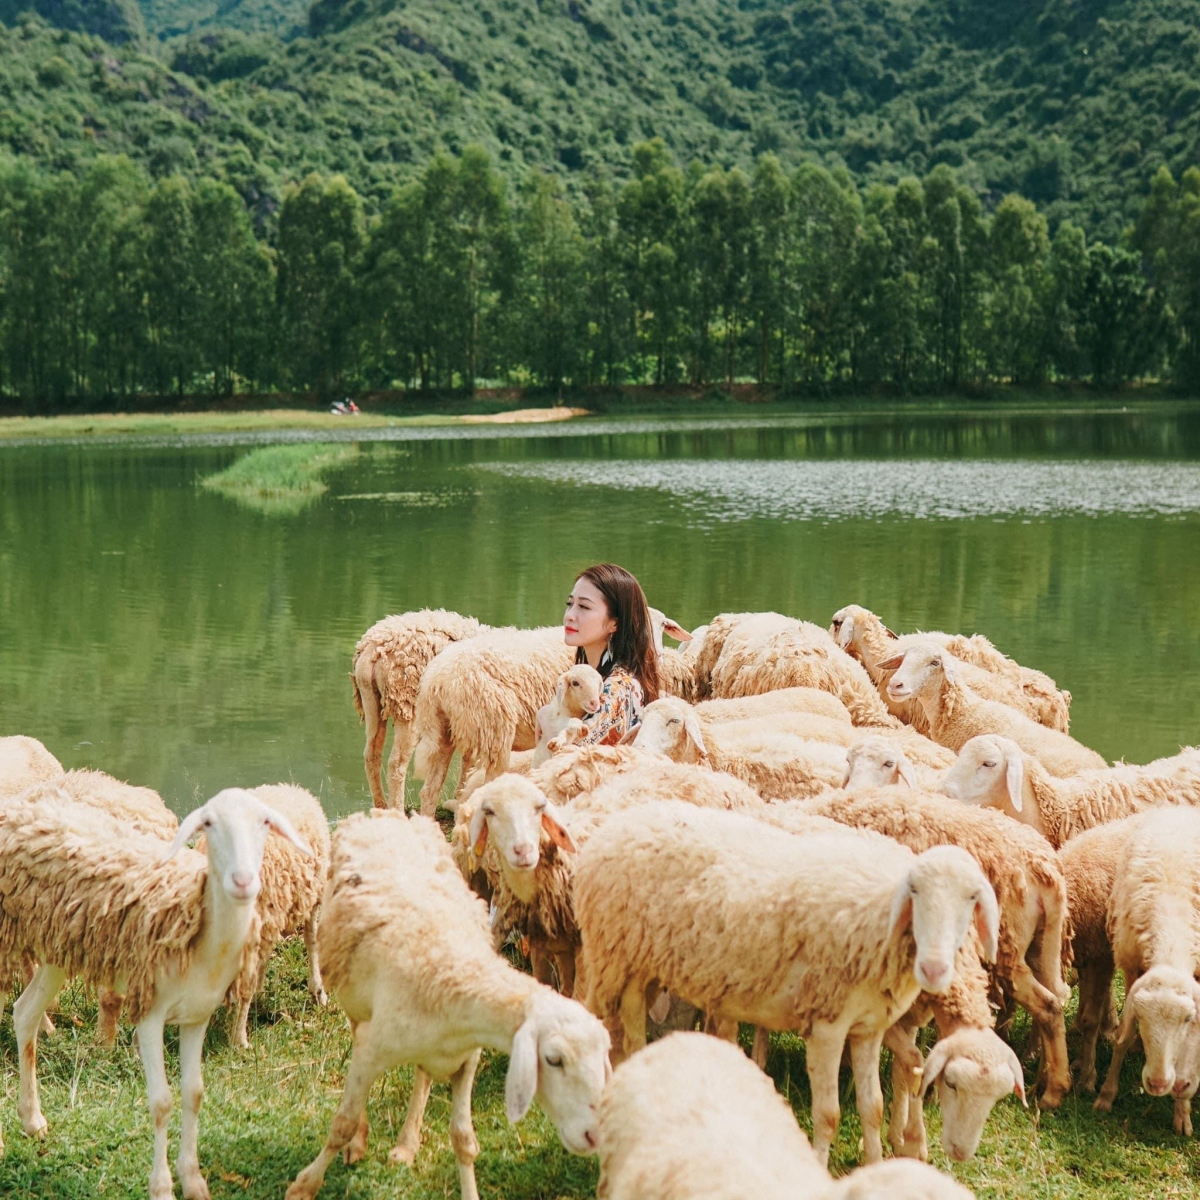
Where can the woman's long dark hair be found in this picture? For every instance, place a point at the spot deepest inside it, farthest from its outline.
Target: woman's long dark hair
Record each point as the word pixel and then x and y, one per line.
pixel 632 643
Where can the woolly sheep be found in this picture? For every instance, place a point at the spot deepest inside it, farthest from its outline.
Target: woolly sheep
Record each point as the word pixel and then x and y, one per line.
pixel 406 948
pixel 1024 873
pixel 770 704
pixel 927 674
pixel 739 919
pixel 881 762
pixel 87 896
pixel 24 761
pixel 1154 929
pixel 388 663
pixel 996 772
pixel 576 694
pixel 985 670
pixel 777 766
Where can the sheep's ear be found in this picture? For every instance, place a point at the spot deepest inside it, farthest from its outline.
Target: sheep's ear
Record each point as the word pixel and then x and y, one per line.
pixel 987 921
pixel 935 1064
pixel 629 736
pixel 1018 1074
pixel 845 633
pixel 674 630
pixel 888 633
pixel 521 1082
pixel 691 726
pixel 846 772
pixel 187 830
pixel 949 667
pixel 556 831
pixel 560 691
pixel 477 835
pixel 1014 779
pixel 901 913
pixel 906 771
pixel 278 824
pixel 891 664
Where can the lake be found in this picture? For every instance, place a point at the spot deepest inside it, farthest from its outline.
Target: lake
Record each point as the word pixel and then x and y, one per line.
pixel 176 638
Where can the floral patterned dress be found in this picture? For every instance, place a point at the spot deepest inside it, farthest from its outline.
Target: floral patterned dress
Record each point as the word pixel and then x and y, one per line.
pixel 620 709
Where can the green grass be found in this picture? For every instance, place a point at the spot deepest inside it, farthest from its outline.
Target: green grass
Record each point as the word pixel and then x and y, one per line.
pixel 281 479
pixel 267 1111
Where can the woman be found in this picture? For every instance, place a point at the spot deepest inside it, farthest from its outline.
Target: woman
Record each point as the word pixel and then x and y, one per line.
pixel 608 619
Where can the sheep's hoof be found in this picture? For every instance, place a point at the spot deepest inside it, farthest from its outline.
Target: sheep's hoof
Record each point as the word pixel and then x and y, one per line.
pixel 1182 1125
pixel 301 1189
pixel 1051 1099
pixel 402 1156
pixel 194 1187
pixel 321 997
pixel 36 1127
pixel 354 1152
pixel 1103 1103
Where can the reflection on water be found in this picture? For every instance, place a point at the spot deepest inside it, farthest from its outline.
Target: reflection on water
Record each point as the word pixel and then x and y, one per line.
pixel 160 632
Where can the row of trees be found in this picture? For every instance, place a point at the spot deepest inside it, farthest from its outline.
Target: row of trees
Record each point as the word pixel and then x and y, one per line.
pixel 111 286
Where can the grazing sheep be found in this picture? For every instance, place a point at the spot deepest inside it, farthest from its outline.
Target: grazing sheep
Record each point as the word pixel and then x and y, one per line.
pixel 985 670
pixel 768 651
pixel 1154 930
pixel 576 694
pixel 406 947
pixel 87 896
pixel 995 772
pixel 389 661
pixel 1024 872
pixel 777 766
pixel 830 934
pixel 24 761
pixel 927 674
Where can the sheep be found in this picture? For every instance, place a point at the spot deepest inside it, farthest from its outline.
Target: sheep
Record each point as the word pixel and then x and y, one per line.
pixel 576 694
pixel 927 674
pixel 753 924
pixel 405 946
pixel 996 772
pixel 769 704
pixel 290 898
pixel 778 767
pixel 767 651
pixel 1154 930
pixel 24 761
pixel 985 670
pixel 169 929
pixel 880 762
pixel 389 661
pixel 1024 873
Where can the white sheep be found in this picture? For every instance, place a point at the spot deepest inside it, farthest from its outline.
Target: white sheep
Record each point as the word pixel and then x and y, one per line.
pixel 1154 930
pixel 406 948
pixel 878 762
pixel 985 670
pixel 576 695
pixel 830 934
pixel 87 896
pixel 929 675
pixel 24 761
pixel 769 705
pixel 389 661
pixel 1025 875
pixel 996 772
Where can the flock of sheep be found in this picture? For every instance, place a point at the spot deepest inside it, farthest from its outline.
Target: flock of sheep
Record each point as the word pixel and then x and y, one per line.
pixel 837 832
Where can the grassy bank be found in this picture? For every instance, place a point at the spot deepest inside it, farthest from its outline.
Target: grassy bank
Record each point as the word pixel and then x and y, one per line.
pixel 267 1111
pixel 281 479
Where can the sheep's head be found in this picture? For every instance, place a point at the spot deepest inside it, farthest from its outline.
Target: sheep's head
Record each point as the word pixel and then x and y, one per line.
pixel 560 1054
pixel 671 729
pixel 850 623
pixel 660 623
pixel 989 773
pixel 516 816
pixel 1165 1002
pixel 235 824
pixel 897 1179
pixel 919 672
pixel 944 890
pixel 877 762
pixel 578 690
pixel 972 1070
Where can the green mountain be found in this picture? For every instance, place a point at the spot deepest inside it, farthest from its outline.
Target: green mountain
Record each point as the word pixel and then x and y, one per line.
pixel 1073 103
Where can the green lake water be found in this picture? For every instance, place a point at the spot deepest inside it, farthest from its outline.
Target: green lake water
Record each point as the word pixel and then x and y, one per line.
pixel 177 638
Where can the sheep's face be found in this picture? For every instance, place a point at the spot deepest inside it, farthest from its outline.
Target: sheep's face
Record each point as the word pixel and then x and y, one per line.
pixel 919 673
pixel 1164 1002
pixel 671 729
pixel 515 815
pixel 989 773
pixel 560 1054
pixel 579 690
pixel 876 762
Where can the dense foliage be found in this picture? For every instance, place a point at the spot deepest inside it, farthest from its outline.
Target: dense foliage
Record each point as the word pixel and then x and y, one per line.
pixel 114 285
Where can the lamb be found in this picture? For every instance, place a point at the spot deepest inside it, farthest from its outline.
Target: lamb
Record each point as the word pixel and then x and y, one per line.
pixel 24 761
pixel 389 661
pixel 1154 929
pixel 1028 883
pixel 576 694
pixel 405 945
pixel 767 651
pixel 996 772
pixel 742 920
pixel 927 674
pixel 87 896
pixel 778 767
pixel 985 670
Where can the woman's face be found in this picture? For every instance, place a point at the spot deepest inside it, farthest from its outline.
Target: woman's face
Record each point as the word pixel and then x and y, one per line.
pixel 586 621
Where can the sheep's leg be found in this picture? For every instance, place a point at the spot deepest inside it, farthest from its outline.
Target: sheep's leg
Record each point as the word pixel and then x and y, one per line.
pixel 462 1132
pixel 158 1095
pixel 356 1147
pixel 376 728
pixel 404 738
pixel 316 985
pixel 28 1011
pixel 1126 1034
pixel 1046 1010
pixel 541 964
pixel 1095 997
pixel 409 1141
pixel 823 1050
pixel 564 964
pixel 364 1069
pixel 633 1019
pixel 436 766
pixel 1183 1115
pixel 762 1047
pixel 111 1004
pixel 906 1129
pixel 191 1088
pixel 864 1057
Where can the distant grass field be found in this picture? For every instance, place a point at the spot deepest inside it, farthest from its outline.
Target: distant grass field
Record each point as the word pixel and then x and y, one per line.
pixel 267 1111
